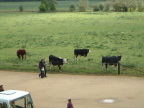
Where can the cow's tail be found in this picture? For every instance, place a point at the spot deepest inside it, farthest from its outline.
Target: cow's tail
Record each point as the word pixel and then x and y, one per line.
pixel 102 60
pixel 103 63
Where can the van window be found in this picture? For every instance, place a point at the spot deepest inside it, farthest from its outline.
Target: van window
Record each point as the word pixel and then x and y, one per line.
pixel 5 105
pixel 24 102
pixel 0 105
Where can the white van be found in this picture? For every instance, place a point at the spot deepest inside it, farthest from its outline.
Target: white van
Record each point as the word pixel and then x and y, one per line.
pixel 15 99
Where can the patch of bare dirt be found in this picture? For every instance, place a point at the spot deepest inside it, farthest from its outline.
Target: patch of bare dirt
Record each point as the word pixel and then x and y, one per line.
pixel 85 91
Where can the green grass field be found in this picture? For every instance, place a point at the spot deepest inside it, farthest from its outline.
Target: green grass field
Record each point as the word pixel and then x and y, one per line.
pixel 42 34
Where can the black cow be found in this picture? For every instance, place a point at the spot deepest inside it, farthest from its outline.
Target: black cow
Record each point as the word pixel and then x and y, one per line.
pixel 53 61
pixel 111 60
pixel 81 52
pixel 21 53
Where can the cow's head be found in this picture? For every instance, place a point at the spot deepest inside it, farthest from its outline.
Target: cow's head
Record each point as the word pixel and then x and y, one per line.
pixel 65 60
pixel 119 58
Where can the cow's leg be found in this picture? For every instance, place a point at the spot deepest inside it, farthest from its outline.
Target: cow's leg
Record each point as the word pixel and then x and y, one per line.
pixel 51 66
pixel 59 68
pixel 115 65
pixel 18 56
pixel 22 56
pixel 76 57
pixel 85 57
pixel 106 65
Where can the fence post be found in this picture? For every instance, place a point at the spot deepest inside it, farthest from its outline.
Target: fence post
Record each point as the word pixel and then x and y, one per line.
pixel 118 68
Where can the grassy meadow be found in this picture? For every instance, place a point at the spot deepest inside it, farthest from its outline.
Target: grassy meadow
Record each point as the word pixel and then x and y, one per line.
pixel 59 33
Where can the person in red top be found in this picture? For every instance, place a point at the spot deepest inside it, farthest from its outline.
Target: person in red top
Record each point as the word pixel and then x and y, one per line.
pixel 1 88
pixel 69 105
pixel 42 68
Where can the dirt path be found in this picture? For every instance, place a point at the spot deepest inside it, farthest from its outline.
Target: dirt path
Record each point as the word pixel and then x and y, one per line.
pixel 85 91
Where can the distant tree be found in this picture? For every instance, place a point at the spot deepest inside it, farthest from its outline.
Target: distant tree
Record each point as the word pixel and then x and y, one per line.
pixel 52 5
pixel 101 6
pixel 132 8
pixel 106 7
pixel 96 7
pixel 141 6
pixel 124 5
pixel 21 8
pixel 83 4
pixel 48 5
pixel 117 6
pixel 72 8
pixel 44 6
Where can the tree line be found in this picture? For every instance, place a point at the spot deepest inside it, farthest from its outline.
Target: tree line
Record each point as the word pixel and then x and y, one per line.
pixel 40 0
pixel 82 5
pixel 17 0
pixel 127 5
pixel 109 5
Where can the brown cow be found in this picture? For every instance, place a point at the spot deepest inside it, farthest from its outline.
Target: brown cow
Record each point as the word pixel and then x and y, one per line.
pixel 21 53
